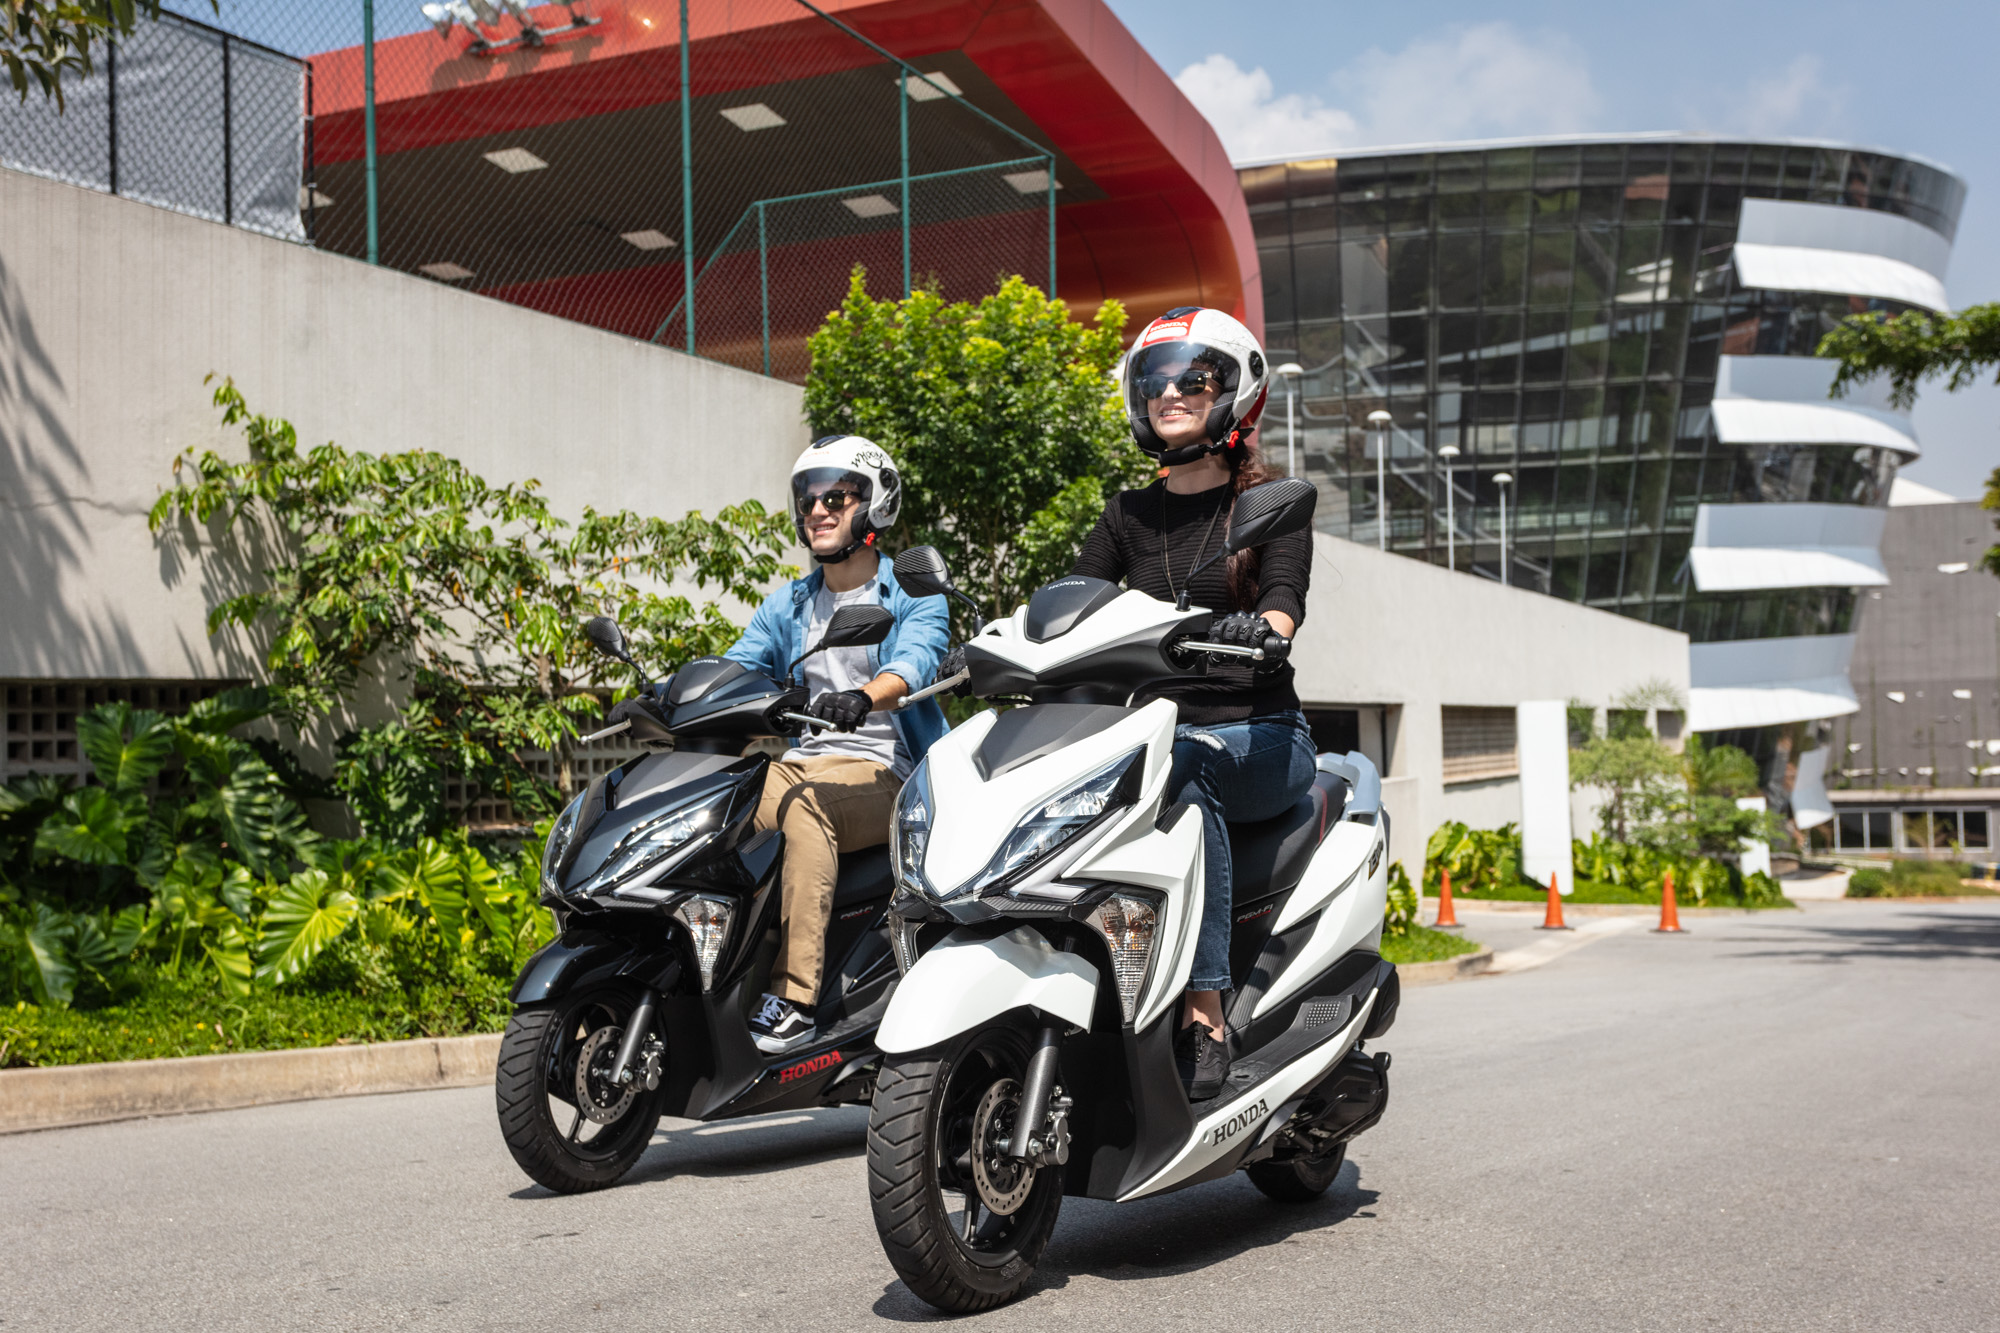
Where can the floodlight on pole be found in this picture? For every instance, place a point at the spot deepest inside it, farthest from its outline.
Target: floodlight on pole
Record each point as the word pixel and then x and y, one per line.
pixel 1448 453
pixel 1503 480
pixel 1289 373
pixel 1381 421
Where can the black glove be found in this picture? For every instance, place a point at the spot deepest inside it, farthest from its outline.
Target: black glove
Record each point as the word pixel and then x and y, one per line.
pixel 845 710
pixel 954 662
pixel 634 710
pixel 1240 629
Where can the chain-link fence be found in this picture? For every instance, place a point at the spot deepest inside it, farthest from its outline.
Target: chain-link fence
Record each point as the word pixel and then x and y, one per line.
pixel 583 160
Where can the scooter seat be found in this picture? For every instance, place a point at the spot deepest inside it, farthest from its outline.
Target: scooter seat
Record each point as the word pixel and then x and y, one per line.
pixel 863 876
pixel 1271 855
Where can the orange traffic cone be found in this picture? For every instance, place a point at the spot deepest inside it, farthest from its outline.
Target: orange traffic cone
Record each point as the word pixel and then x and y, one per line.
pixel 1447 919
pixel 1554 919
pixel 1670 915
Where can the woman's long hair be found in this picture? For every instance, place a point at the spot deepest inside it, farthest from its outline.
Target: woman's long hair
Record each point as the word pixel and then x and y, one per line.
pixel 1246 469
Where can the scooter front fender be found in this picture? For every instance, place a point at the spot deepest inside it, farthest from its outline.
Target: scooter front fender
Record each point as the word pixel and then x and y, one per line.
pixel 967 980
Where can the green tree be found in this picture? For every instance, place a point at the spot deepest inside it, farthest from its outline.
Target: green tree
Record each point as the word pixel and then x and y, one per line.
pixel 1916 346
pixel 1002 417
pixel 1637 773
pixel 465 597
pixel 43 42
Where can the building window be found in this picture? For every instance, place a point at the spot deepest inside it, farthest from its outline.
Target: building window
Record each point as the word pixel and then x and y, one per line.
pixel 41 717
pixel 1479 744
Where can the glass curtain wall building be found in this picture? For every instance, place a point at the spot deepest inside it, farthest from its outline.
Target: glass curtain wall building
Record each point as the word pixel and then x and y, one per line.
pixel 1616 338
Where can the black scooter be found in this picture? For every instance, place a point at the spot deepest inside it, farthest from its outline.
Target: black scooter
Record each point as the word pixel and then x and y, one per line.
pixel 666 905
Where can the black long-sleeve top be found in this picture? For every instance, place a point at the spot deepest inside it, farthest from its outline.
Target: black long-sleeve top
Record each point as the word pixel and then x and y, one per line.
pixel 1149 539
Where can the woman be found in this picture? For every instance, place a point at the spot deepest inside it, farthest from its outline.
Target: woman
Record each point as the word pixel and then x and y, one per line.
pixel 1194 385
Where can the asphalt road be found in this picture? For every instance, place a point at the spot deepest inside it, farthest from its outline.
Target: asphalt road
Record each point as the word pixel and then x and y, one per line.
pixel 1779 1122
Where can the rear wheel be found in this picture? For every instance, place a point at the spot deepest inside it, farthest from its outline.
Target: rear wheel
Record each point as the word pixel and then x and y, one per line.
pixel 963 1223
pixel 569 1127
pixel 1298 1179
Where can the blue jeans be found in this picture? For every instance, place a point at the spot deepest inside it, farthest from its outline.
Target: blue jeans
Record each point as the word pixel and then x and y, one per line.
pixel 1239 772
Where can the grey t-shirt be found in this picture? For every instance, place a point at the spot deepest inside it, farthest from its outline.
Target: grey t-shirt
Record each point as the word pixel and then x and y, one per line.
pixel 839 669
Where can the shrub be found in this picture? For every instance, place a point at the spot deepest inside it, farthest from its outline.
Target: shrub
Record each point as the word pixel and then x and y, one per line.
pixel 1910 879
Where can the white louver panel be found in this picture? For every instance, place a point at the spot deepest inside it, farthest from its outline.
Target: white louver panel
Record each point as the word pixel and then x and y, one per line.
pixel 1751 546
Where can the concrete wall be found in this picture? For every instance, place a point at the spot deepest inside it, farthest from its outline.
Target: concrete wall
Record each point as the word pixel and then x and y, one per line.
pixel 1390 631
pixel 111 314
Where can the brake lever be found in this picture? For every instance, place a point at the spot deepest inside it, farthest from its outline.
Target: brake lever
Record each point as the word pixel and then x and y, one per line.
pixel 611 730
pixel 938 687
pixel 807 718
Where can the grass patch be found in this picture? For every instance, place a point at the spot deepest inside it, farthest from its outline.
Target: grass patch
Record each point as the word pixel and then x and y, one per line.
pixel 1599 891
pixel 1916 879
pixel 1421 944
pixel 155 1015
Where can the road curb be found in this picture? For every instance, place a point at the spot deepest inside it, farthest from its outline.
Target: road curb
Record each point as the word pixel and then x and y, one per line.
pixel 1445 969
pixel 64 1095
pixel 1603 909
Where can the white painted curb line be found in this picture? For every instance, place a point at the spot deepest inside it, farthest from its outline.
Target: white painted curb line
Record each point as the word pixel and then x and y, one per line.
pixel 1531 956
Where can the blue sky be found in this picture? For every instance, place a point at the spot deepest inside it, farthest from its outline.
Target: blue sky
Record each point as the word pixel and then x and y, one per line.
pixel 1282 76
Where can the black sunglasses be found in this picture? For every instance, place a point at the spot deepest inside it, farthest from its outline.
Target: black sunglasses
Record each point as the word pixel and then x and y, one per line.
pixel 834 500
pixel 1193 380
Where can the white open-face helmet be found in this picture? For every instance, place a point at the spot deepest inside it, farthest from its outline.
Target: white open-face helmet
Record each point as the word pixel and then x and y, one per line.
pixel 1199 343
pixel 854 465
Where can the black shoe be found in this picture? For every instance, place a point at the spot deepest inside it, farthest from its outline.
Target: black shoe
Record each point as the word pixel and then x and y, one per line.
pixel 780 1025
pixel 1203 1062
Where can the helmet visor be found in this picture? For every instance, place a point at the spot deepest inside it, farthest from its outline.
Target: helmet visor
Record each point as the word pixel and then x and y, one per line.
pixel 835 489
pixel 1176 385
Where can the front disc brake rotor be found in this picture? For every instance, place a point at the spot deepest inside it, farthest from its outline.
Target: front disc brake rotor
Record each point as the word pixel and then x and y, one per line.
pixel 597 1096
pixel 1003 1182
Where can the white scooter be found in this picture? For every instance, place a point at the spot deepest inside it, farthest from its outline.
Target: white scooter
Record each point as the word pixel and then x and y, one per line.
pixel 1045 915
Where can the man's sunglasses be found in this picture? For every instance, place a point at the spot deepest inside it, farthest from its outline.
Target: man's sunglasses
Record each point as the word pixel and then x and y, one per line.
pixel 834 500
pixel 1190 382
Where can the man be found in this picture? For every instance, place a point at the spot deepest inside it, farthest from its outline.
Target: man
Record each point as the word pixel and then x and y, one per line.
pixel 835 789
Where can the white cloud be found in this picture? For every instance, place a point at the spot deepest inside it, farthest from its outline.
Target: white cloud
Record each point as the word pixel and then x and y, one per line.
pixel 1797 101
pixel 1484 80
pixel 1252 122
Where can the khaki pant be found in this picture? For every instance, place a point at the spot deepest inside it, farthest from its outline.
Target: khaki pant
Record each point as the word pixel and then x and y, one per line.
pixel 825 804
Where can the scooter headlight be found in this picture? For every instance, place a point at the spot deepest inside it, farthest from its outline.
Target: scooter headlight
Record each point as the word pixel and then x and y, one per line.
pixel 560 838
pixel 649 848
pixel 912 832
pixel 1058 821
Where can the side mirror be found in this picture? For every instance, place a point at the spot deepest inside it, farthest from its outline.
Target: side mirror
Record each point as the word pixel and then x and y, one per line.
pixel 850 627
pixel 857 627
pixel 604 632
pixel 1270 510
pixel 922 572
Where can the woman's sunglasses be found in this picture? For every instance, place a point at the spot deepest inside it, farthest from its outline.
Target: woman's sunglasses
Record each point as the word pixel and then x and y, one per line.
pixel 1190 382
pixel 834 500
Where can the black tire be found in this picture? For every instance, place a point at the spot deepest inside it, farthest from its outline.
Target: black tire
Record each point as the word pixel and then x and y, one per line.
pixel 1298 1179
pixel 537 1078
pixel 919 1139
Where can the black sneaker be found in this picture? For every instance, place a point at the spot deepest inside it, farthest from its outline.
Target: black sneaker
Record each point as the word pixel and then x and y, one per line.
pixel 780 1025
pixel 1202 1060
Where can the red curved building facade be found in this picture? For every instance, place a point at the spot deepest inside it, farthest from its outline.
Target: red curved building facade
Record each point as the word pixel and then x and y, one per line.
pixel 1149 210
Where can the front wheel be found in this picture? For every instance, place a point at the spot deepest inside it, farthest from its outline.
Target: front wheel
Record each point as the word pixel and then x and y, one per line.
pixel 567 1125
pixel 963 1223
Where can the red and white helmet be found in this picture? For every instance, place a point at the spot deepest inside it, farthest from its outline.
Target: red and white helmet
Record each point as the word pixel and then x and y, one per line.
pixel 1195 338
pixel 857 465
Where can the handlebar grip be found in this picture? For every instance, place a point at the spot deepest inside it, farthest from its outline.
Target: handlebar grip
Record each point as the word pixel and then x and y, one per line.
pixel 1276 648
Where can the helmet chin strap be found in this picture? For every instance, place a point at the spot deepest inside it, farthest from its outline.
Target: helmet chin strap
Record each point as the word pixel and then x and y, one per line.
pixel 845 551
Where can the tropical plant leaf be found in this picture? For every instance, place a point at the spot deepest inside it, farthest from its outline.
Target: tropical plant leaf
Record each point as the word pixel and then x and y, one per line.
pixel 430 873
pixel 301 919
pixel 238 892
pixel 230 952
pixel 229 710
pixel 258 820
pixel 49 936
pixel 127 928
pixel 91 947
pixel 92 826
pixel 127 747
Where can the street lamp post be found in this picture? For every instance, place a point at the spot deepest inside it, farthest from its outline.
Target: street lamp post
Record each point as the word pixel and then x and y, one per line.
pixel 1503 480
pixel 1289 373
pixel 1447 453
pixel 1381 421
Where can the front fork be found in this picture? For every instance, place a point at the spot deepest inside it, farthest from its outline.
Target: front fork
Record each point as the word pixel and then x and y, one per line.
pixel 636 1044
pixel 1041 1133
